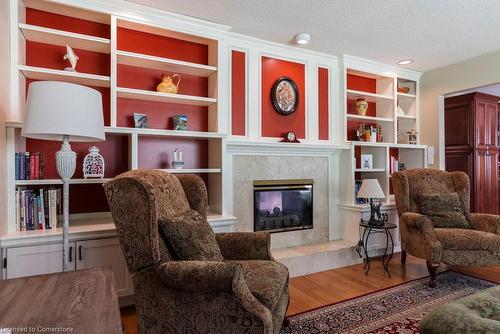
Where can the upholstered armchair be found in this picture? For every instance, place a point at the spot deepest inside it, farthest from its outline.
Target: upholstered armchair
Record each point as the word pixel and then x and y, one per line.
pixel 436 224
pixel 186 278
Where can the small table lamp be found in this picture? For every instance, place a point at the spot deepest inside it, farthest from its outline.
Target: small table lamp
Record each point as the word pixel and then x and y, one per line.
pixel 370 188
pixel 62 111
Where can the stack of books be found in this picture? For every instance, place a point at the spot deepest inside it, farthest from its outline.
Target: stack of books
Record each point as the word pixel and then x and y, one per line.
pixel 30 165
pixel 39 209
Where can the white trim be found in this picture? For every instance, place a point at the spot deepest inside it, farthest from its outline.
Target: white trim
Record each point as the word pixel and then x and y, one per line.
pixel 441 133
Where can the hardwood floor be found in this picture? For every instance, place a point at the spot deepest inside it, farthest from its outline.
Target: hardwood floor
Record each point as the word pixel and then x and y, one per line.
pixel 328 287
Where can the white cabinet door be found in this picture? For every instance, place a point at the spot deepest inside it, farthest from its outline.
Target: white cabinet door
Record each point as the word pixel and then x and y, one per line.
pixel 36 260
pixel 105 253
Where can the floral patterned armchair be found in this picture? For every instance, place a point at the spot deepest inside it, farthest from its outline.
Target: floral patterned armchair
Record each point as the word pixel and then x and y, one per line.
pixel 186 278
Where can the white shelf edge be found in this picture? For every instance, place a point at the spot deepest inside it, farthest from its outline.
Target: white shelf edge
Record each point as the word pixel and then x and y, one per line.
pixel 407 117
pixel 370 118
pixel 372 170
pixel 406 95
pixel 143 132
pixel 192 170
pixel 58 181
pixel 91 43
pixel 148 61
pixel 368 95
pixel 132 93
pixel 40 73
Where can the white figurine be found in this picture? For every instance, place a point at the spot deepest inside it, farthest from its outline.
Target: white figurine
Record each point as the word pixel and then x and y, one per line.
pixel 72 57
pixel 177 162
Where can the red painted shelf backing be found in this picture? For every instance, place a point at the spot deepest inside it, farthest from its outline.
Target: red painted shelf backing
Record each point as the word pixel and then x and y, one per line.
pixel 105 92
pixel 114 151
pixel 364 84
pixel 51 56
pixel 148 79
pixel 160 115
pixel 274 124
pixel 67 23
pixel 238 93
pixel 323 88
pixel 161 46
pixel 157 152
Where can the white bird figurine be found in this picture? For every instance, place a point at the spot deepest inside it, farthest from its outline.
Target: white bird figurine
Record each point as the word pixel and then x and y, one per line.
pixel 72 57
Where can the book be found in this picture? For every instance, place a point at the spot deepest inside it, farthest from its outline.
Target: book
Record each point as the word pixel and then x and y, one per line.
pixel 29 165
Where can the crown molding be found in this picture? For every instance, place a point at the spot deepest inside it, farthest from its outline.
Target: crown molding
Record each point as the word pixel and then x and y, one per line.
pixel 381 68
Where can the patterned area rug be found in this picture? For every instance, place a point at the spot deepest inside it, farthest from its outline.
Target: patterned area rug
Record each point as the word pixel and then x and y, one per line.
pixel 394 310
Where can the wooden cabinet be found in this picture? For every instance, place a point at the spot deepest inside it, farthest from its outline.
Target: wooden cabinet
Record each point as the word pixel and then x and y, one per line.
pixel 46 259
pixel 471 139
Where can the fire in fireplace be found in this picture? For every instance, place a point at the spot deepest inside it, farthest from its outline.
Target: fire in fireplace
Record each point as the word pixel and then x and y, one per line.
pixel 283 205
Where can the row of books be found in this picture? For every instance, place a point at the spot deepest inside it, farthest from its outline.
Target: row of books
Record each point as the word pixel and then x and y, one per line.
pixel 30 165
pixel 38 209
pixel 357 186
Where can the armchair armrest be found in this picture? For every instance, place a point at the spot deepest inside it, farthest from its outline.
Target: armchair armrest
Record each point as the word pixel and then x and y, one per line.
pixel 245 245
pixel 484 222
pixel 418 236
pixel 219 278
pixel 201 276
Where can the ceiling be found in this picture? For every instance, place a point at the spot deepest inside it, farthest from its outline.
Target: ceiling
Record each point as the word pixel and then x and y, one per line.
pixel 433 33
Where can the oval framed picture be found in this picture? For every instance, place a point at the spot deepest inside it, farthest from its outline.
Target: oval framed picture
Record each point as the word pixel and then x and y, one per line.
pixel 285 96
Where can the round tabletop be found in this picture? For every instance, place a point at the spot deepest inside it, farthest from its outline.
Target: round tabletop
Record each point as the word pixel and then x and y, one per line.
pixel 386 226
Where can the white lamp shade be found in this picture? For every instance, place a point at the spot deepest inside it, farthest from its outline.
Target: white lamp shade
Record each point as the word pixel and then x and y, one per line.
pixel 370 188
pixel 55 109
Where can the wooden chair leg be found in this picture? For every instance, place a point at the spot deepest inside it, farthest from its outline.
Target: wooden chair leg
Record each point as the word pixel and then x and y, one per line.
pixel 432 267
pixel 403 257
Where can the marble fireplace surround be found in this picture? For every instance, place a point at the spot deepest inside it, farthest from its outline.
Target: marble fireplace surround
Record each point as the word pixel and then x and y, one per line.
pixel 271 161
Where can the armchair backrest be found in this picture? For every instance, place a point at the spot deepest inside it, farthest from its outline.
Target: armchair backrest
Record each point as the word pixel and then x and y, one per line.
pixel 408 184
pixel 138 199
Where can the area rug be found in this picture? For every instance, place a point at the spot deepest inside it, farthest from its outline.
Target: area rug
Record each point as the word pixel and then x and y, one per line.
pixel 394 310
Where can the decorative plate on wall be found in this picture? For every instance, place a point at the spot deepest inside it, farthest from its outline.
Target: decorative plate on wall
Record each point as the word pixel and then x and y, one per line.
pixel 285 96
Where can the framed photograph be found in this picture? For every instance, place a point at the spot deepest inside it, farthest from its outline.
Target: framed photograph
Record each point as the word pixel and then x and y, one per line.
pixel 285 96
pixel 180 122
pixel 140 120
pixel 366 161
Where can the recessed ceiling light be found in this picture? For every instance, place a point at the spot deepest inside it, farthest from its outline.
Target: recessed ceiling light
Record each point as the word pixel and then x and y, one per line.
pixel 302 38
pixel 405 62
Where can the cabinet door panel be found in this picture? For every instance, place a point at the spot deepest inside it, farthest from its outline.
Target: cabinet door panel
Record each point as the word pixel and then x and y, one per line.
pixel 36 260
pixel 481 181
pixel 491 124
pixel 481 127
pixel 105 253
pixel 492 192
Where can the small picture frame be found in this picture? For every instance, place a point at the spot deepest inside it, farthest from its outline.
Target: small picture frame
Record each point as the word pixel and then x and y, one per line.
pixel 180 122
pixel 140 120
pixel 366 161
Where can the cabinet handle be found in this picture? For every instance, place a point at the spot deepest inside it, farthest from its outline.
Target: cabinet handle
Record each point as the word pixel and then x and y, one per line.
pixel 80 252
pixel 71 254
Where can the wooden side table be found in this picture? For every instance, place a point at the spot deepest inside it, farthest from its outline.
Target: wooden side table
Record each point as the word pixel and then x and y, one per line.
pixel 362 246
pixel 82 301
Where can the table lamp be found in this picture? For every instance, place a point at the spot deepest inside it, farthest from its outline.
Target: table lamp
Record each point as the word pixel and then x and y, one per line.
pixel 64 111
pixel 370 188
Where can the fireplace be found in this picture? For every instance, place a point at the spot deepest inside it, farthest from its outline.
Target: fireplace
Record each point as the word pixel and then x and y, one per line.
pixel 283 205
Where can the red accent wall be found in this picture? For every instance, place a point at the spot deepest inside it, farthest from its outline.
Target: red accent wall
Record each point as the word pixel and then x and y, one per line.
pixel 238 92
pixel 160 115
pixel 161 46
pixel 67 23
pixel 323 88
pixel 157 152
pixel 364 84
pixel 274 124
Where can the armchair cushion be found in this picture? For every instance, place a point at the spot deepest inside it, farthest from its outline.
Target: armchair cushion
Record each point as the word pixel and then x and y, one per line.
pixel 445 210
pixel 484 222
pixel 245 245
pixel 467 239
pixel 266 280
pixel 190 237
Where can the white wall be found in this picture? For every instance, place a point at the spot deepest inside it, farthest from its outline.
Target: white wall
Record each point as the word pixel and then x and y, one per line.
pixel 4 100
pixel 475 72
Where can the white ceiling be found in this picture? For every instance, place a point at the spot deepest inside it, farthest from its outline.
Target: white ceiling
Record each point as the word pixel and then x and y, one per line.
pixel 434 33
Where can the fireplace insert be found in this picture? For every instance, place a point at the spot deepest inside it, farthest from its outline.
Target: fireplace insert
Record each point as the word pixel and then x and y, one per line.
pixel 283 205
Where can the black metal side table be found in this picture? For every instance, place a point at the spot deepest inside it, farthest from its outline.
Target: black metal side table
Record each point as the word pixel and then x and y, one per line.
pixel 362 246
